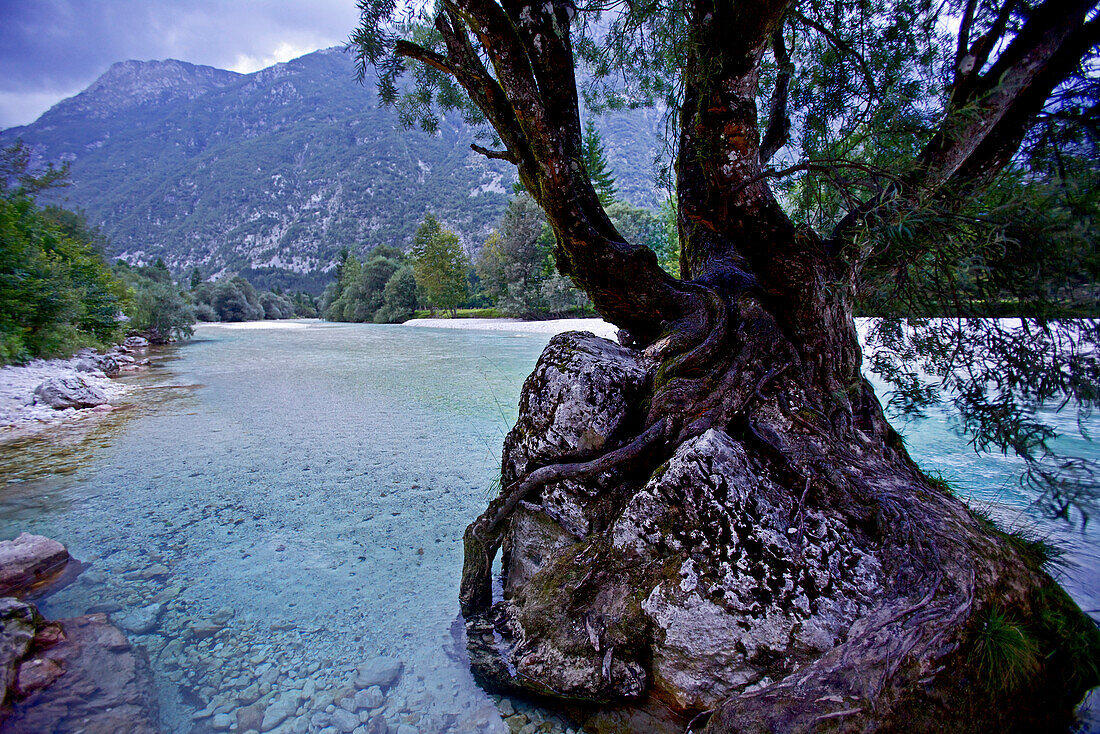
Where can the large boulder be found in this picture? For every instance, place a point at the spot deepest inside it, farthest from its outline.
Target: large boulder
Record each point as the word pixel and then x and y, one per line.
pixel 71 391
pixel 88 679
pixel 30 561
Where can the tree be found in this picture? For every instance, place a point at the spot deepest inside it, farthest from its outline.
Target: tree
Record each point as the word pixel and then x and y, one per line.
pixel 516 266
pixel 161 313
pixel 642 227
pixel 905 134
pixel 439 265
pixel 347 272
pixel 595 162
pixel 398 297
pixel 56 292
pixel 276 306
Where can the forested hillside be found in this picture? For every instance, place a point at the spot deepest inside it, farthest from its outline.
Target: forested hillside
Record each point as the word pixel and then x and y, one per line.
pixel 272 174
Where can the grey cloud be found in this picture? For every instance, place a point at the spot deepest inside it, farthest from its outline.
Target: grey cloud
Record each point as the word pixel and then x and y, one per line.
pixel 49 48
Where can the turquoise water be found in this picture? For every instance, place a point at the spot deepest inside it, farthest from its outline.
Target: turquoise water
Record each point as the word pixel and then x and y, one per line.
pixel 281 505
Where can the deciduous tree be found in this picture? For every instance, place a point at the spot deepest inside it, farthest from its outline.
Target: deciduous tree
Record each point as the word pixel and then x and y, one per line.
pixel 439 265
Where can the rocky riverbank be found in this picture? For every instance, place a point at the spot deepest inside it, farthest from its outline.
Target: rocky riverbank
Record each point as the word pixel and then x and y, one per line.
pixel 66 675
pixel 46 392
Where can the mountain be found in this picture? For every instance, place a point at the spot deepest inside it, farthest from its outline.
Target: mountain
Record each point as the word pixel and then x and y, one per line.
pixel 271 174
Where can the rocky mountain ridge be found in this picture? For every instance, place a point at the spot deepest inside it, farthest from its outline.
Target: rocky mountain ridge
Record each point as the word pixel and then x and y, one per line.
pixel 271 174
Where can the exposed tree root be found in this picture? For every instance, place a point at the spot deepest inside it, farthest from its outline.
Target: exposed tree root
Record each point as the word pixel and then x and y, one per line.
pixel 482 538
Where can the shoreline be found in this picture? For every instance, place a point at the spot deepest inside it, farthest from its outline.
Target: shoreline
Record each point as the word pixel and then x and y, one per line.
pixel 24 414
pixel 597 326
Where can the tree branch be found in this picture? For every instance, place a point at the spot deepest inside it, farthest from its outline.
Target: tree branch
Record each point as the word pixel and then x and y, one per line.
pixel 840 45
pixel 779 124
pixel 986 121
pixel 416 52
pixel 500 155
pixel 963 42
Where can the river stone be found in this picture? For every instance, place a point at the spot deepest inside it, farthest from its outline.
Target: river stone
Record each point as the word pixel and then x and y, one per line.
pixel 109 365
pixel 278 711
pixel 579 400
pixel 36 674
pixel 371 698
pixel 106 686
pixel 580 396
pixel 381 671
pixel 70 391
pixel 707 541
pixel 344 720
pixel 250 717
pixel 142 620
pixel 205 630
pixel 705 652
pixel 686 593
pixel 88 365
pixel 28 561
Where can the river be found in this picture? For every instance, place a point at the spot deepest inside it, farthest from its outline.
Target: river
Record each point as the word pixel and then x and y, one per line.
pixel 283 504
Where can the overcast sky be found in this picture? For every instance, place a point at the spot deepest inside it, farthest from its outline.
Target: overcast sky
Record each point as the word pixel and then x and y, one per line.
pixel 52 49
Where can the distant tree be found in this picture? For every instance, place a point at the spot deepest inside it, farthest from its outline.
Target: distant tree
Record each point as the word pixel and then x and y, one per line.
pixel 393 253
pixel 516 266
pixel 398 297
pixel 161 313
pixel 642 227
pixel 158 271
pixel 512 263
pixel 196 278
pixel 230 300
pixel 205 312
pixel 18 178
pixel 276 305
pixel 595 161
pixel 669 255
pixel 372 282
pixel 336 301
pixel 439 265
pixel 256 311
pixel 305 305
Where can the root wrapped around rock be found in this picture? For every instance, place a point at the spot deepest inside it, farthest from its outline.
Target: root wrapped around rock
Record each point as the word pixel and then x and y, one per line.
pixel 770 573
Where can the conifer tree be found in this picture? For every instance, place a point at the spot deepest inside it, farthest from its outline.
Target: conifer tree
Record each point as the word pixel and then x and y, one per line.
pixel 595 161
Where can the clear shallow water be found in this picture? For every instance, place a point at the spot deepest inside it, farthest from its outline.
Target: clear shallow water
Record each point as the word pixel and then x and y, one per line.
pixel 305 490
